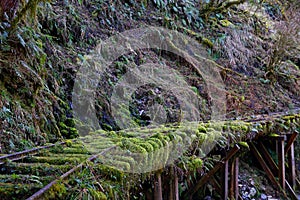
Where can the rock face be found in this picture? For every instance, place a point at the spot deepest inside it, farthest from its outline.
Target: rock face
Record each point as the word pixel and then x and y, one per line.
pixel 253 184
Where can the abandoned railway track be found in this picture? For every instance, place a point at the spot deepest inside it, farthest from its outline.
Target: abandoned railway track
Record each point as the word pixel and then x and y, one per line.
pixel 31 174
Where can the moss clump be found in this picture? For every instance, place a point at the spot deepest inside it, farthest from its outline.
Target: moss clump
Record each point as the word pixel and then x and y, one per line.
pixel 147 146
pixel 244 144
pixel 288 117
pixel 201 137
pixel 57 191
pixel 120 165
pixel 225 23
pixel 110 172
pixel 194 163
pixel 273 135
pixel 127 159
pixel 153 144
pixel 54 160
pixel 73 150
pixel 132 147
pixel 69 143
pixel 68 131
pixel 202 129
pixel 97 195
pixel 157 141
pixel 207 42
pixel 70 122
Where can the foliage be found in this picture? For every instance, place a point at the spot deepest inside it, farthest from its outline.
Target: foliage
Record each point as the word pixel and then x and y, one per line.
pixel 286 43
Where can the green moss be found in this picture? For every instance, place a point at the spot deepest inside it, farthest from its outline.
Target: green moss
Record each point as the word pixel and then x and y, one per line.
pixel 147 146
pixel 70 122
pixel 97 195
pixel 201 137
pixel 202 129
pixel 244 144
pixel 287 122
pixel 69 150
pixel 273 135
pixel 62 126
pixel 157 141
pixel 126 159
pixel 64 132
pixel 207 42
pixel 69 143
pixel 195 163
pixel 154 145
pixel 73 133
pixel 225 23
pixel 288 117
pixel 17 190
pixel 57 191
pixel 112 134
pixel 100 132
pixel 110 172
pixel 132 147
pixel 120 165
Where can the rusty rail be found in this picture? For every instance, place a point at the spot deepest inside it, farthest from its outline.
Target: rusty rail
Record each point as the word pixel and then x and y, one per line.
pixel 42 191
pixel 23 154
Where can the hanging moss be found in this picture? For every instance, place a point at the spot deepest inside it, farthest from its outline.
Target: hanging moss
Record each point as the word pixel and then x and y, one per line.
pixel 132 147
pixel 202 129
pixel 157 141
pixel 154 145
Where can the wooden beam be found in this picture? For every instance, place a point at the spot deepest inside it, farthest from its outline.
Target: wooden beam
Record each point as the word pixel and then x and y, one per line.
pixel 275 138
pixel 216 184
pixel 265 167
pixel 281 164
pixel 225 180
pixel 236 178
pixel 291 141
pixel 232 180
pixel 291 191
pixel 266 155
pixel 291 166
pixel 158 187
pixel 176 186
pixel 174 194
pixel 171 186
pixel 189 193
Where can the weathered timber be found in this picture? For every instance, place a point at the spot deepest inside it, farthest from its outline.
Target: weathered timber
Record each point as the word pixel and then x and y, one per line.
pixel 271 163
pixel 39 194
pixel 291 167
pixel 23 154
pixel 290 142
pixel 174 192
pixel 234 171
pixel 281 163
pixel 266 168
pixel 189 193
pixel 216 184
pixel 236 176
pixel 225 180
pixel 176 187
pixel 291 191
pixel 158 187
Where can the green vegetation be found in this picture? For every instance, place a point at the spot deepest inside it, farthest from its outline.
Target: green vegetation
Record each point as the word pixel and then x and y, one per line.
pixel 254 44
